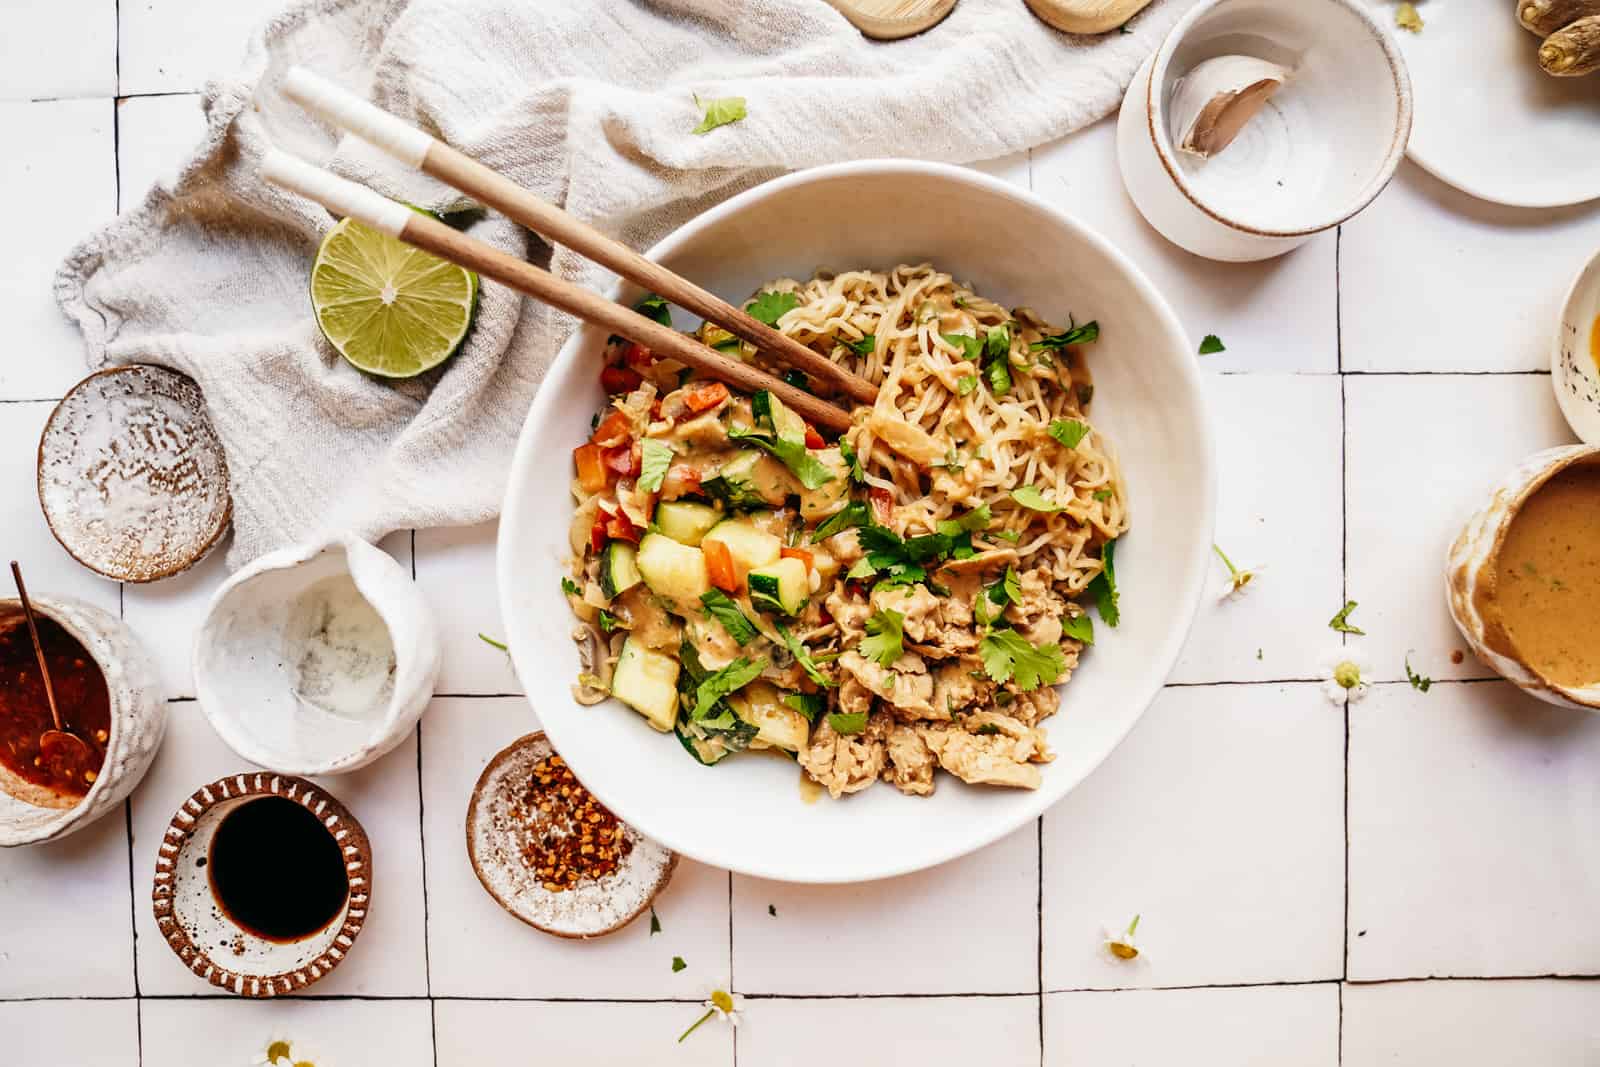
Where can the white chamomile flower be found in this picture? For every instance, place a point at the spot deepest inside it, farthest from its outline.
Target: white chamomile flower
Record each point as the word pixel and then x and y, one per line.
pixel 276 1051
pixel 1346 671
pixel 720 1003
pixel 1239 578
pixel 1120 943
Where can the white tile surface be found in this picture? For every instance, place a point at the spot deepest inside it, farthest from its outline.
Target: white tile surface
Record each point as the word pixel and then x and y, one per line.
pixel 1549 1022
pixel 389 959
pixel 1277 315
pixel 1421 455
pixel 176 46
pixel 474 1033
pixel 1434 280
pixel 885 1030
pixel 1265 1026
pixel 155 135
pixel 935 949
pixel 55 48
pixel 1473 822
pixel 84 876
pixel 1278 508
pixel 79 1033
pixel 345 1033
pixel 459 737
pixel 455 567
pixel 74 180
pixel 26 537
pixel 1014 168
pixel 1220 822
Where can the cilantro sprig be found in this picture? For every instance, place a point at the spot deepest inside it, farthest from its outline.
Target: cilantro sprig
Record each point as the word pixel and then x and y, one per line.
pixel 1104 587
pixel 802 656
pixel 1068 431
pixel 1074 335
pixel 724 609
pixel 885 637
pixel 719 683
pixel 1010 657
pixel 770 306
pixel 1032 498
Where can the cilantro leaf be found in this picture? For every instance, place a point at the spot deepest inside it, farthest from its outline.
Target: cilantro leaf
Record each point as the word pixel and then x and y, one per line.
pixel 1079 627
pixel 998 375
pixel 863 347
pixel 570 587
pixel 1068 431
pixel 966 384
pixel 971 347
pixel 987 728
pixel 654 307
pixel 977 519
pixel 1341 621
pixel 854 513
pixel 655 923
pixel 884 637
pixel 808 704
pixel 719 111
pixel 997 343
pixel 1008 656
pixel 848 722
pixel 1075 335
pixel 719 683
pixel 1104 587
pixel 1418 682
pixel 486 639
pixel 803 657
pixel 983 611
pixel 1031 498
pixel 1211 343
pixel 1008 535
pixel 654 459
pixel 793 454
pixel 723 608
pixel 608 621
pixel 861 568
pixel 1102 494
pixel 770 306
pixel 678 964
pixel 854 461
pixel 1011 586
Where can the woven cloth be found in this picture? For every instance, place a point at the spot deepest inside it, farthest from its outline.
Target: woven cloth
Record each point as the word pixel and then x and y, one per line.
pixel 590 103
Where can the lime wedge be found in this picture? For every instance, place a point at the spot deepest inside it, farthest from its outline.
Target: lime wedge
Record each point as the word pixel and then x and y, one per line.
pixel 390 309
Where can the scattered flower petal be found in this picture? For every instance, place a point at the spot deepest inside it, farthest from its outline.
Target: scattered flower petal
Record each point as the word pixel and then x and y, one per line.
pixel 1346 673
pixel 1120 943
pixel 1239 579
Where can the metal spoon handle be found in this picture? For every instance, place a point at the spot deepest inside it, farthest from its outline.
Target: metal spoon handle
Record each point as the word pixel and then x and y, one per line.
pixel 38 646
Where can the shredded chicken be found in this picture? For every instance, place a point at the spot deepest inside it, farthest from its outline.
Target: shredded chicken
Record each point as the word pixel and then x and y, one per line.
pixel 983 759
pixel 844 763
pixel 906 688
pixel 849 612
pixel 914 602
pixel 911 762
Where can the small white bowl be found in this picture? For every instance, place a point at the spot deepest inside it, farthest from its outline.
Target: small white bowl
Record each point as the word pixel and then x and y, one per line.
pixel 1317 154
pixel 1469 576
pixel 1574 374
pixel 316 660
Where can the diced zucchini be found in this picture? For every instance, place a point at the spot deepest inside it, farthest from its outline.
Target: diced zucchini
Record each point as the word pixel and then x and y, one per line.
pixel 783 586
pixel 676 572
pixel 647 682
pixel 684 521
pixel 734 484
pixel 761 704
pixel 712 746
pixel 785 423
pixel 832 495
pixel 748 546
pixel 619 569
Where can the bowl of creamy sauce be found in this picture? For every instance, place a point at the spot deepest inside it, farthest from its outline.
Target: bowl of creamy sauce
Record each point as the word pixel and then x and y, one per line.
pixel 1524 577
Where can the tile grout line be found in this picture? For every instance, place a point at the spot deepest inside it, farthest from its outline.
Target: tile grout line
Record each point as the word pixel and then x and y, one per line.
pixel 1344 579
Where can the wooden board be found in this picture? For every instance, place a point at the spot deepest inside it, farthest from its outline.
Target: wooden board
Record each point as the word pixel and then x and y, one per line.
pixel 1087 16
pixel 888 20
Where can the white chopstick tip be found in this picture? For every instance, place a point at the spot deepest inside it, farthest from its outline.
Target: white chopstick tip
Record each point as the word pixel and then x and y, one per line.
pixel 339 195
pixel 350 112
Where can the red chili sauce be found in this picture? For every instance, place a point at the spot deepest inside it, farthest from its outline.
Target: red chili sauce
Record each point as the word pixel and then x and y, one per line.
pixel 81 696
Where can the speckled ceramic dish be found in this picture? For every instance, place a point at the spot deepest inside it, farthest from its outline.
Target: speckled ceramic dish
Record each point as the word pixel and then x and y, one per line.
pixel 30 814
pixel 496 833
pixel 1575 356
pixel 132 477
pixel 210 943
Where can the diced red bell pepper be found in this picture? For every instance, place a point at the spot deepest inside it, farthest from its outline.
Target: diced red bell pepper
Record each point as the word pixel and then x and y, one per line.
pixel 597 532
pixel 613 430
pixel 637 355
pixel 681 480
pixel 592 474
pixel 796 553
pixel 620 528
pixel 616 380
pixel 719 566
pixel 703 396
pixel 882 502
pixel 625 459
pixel 813 438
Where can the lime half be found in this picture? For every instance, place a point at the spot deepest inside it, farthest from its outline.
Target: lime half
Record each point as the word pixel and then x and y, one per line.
pixel 389 309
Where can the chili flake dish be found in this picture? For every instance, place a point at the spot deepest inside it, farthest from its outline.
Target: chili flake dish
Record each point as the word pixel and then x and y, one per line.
pixel 898 600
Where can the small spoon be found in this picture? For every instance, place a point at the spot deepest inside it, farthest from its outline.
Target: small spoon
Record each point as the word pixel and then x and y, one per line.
pixel 59 740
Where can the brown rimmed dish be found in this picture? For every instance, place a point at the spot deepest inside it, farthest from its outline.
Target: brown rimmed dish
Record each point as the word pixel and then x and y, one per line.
pixel 498 831
pixel 200 931
pixel 132 477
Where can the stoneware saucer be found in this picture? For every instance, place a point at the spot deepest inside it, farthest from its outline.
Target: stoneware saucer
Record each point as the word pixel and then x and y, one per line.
pixel 1574 361
pixel 211 944
pixel 132 477
pixel 495 832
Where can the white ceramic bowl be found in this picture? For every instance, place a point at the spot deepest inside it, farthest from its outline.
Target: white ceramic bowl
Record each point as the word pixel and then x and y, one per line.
pixel 747 814
pixel 1574 373
pixel 1318 153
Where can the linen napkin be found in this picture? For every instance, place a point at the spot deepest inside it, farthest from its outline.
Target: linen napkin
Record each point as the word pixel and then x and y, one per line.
pixel 590 103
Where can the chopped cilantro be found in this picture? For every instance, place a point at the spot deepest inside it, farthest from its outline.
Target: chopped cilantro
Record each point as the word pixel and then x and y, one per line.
pixel 1074 335
pixel 1085 395
pixel 848 722
pixel 1211 343
pixel 655 923
pixel 861 568
pixel 1079 628
pixel 987 729
pixel 568 586
pixel 863 347
pixel 608 621
pixel 808 704
pixel 793 454
pixel 1008 656
pixel 1068 431
pixel 1341 621
pixel 719 683
pixel 966 384
pixel 971 347
pixel 1104 587
pixel 803 657
pixel 719 111
pixel 654 459
pixel 723 608
pixel 1102 494
pixel 1418 682
pixel 852 514
pixel 1007 535
pixel 998 375
pixel 1031 498
pixel 486 639
pixel 678 964
pixel 856 474
pixel 997 343
pixel 654 307
pixel 884 640
pixel 769 306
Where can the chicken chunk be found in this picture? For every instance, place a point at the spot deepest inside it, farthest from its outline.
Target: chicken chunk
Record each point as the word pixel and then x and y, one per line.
pixel 955 688
pixel 842 763
pixel 906 688
pixel 911 762
pixel 917 606
pixel 1030 708
pixel 850 612
pixel 984 759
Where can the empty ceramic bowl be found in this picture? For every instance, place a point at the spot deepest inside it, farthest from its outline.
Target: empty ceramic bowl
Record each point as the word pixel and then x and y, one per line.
pixel 316 660
pixel 1317 153
pixel 211 941
pixel 1575 357
pixel 30 814
pixel 132 478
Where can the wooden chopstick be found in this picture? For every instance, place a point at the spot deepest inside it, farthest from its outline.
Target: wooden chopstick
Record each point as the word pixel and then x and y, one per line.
pixel 416 148
pixel 429 234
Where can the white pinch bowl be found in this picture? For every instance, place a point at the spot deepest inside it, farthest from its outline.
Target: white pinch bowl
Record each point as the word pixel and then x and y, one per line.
pixel 1574 372
pixel 138 723
pixel 1319 152
pixel 747 814
pixel 270 694
pixel 1469 576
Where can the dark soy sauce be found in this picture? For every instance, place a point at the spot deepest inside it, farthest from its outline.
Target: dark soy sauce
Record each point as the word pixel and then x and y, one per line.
pixel 276 870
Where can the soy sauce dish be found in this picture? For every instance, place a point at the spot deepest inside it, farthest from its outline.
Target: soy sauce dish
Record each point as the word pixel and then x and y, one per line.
pixel 750 815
